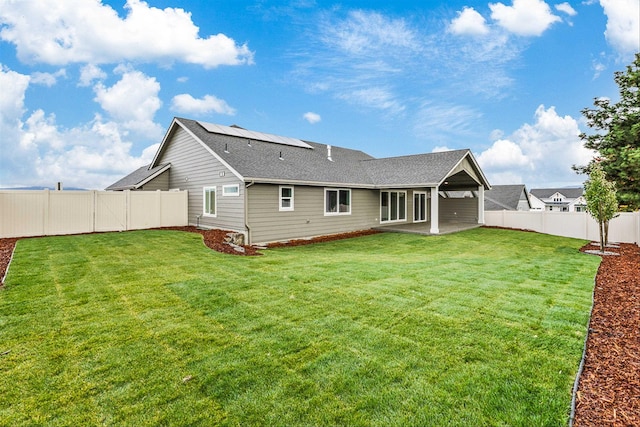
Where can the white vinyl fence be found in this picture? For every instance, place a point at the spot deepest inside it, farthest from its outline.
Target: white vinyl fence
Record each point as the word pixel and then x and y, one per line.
pixel 623 229
pixel 45 212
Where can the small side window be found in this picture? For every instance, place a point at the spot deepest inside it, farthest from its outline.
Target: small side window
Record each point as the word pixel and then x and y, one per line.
pixel 231 190
pixel 209 201
pixel 286 198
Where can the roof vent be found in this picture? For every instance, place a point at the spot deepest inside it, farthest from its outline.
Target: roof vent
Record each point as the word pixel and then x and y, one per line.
pixel 280 157
pixel 329 153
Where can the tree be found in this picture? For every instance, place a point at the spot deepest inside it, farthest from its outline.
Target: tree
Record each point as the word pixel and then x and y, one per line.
pixel 602 203
pixel 617 137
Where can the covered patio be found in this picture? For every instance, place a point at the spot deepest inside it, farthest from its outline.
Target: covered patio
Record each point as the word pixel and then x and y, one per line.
pixel 424 228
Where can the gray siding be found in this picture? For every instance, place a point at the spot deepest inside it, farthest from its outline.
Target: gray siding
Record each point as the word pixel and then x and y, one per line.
pixel 192 169
pixel 160 182
pixel 458 209
pixel 268 224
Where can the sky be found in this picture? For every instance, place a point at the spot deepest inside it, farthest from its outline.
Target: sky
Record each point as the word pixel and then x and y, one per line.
pixel 88 88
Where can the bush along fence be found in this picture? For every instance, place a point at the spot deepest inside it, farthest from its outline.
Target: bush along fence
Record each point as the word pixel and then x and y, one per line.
pixel 45 212
pixel 624 228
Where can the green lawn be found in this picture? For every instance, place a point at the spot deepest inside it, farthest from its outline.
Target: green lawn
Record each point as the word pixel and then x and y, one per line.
pixel 483 327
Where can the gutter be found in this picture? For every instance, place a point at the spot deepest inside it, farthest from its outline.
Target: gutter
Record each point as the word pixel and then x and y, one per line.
pixel 246 211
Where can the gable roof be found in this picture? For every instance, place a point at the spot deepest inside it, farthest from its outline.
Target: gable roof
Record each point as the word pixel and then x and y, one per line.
pixel 139 177
pixel 569 192
pixel 262 159
pixel 502 197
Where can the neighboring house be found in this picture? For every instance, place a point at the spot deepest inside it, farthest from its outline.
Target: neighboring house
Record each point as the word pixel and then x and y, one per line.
pixel 275 188
pixel 507 197
pixel 558 199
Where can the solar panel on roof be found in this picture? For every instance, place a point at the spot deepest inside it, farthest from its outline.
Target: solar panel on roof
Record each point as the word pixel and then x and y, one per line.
pixel 257 136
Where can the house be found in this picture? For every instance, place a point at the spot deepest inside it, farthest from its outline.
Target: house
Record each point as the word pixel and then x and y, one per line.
pixel 274 188
pixel 507 197
pixel 558 199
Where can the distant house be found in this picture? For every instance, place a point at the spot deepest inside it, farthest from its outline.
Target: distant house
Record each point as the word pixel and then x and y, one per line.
pixel 558 199
pixel 507 197
pixel 273 188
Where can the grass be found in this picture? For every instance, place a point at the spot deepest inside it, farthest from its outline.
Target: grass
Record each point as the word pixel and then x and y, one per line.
pixel 483 327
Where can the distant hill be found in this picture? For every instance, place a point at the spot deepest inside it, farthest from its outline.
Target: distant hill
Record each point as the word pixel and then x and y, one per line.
pixel 35 187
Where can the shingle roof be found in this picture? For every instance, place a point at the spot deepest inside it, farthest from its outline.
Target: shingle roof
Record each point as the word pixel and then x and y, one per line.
pixel 503 197
pixel 265 161
pixel 570 193
pixel 138 177
pixel 429 168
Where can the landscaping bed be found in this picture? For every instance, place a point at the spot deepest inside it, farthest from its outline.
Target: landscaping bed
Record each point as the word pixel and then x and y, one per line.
pixel 610 382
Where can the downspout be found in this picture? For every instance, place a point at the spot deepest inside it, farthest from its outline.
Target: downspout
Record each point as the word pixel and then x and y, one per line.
pixel 246 211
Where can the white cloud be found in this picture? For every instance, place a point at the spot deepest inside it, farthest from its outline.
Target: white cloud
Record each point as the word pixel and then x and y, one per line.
pixel 433 122
pixel 566 8
pixel 440 148
pixel 623 25
pixel 185 103
pixel 367 32
pixel 525 17
pixel 77 31
pixel 13 86
pixel 132 102
pixel 504 154
pixel 469 22
pixel 47 79
pixel 312 118
pixel 36 150
pixel 374 97
pixel 538 154
pixel 89 73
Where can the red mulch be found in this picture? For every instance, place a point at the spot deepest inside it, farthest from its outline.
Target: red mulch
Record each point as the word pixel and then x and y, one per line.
pixel 609 388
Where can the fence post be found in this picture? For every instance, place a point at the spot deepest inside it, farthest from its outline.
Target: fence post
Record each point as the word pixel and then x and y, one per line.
pixel 127 208
pixel 45 219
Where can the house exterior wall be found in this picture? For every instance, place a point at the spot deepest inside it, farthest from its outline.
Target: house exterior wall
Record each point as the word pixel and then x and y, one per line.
pixel 307 219
pixel 160 182
pixel 193 168
pixel 523 204
pixel 458 209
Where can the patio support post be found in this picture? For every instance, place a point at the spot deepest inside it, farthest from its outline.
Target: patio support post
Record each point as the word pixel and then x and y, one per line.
pixel 480 204
pixel 434 211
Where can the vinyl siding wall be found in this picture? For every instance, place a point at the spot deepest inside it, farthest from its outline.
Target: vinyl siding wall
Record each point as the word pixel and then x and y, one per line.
pixel 161 182
pixel 458 209
pixel 269 224
pixel 193 168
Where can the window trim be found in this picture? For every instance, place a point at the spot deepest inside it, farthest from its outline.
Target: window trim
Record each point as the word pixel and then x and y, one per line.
pixel 337 190
pixel 426 206
pixel 215 201
pixel 226 194
pixel 280 199
pixel 398 192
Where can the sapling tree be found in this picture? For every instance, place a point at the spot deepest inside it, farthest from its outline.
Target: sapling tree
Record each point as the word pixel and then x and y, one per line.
pixel 602 203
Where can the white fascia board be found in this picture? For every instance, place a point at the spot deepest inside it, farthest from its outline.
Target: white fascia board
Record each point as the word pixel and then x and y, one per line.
pixel 162 144
pixel 473 160
pixel 206 147
pixel 155 174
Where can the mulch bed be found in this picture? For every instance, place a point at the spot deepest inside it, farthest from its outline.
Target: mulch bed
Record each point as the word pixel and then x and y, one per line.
pixel 609 387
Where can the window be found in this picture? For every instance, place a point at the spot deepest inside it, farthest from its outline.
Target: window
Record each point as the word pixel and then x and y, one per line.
pixel 393 206
pixel 419 206
pixel 337 202
pixel 231 190
pixel 209 201
pixel 286 198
